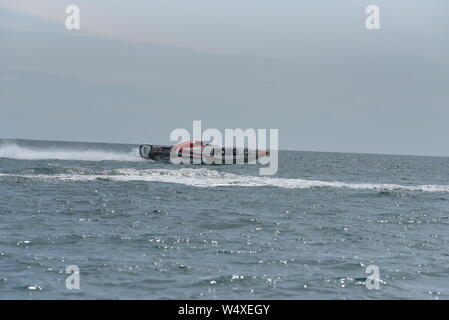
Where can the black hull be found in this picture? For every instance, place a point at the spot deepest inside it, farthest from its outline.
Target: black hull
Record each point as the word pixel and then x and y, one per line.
pixel 163 154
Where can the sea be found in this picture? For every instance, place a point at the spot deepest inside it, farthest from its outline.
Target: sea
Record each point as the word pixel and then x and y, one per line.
pixel 96 221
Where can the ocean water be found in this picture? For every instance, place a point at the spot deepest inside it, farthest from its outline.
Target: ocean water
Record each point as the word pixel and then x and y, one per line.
pixel 145 230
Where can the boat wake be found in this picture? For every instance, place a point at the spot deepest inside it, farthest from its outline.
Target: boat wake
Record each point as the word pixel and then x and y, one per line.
pixel 14 151
pixel 210 178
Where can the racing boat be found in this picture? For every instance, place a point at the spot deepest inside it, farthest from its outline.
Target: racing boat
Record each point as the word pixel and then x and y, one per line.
pixel 199 152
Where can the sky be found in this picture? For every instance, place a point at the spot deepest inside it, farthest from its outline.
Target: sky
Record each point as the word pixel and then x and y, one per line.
pixel 138 69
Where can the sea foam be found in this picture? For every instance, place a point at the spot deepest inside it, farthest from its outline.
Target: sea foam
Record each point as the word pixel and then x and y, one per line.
pixel 211 178
pixel 14 151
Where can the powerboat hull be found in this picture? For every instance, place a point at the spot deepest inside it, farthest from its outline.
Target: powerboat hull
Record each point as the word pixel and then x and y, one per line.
pixel 200 154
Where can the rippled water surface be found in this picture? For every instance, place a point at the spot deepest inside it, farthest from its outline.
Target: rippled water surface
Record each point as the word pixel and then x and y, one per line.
pixel 140 229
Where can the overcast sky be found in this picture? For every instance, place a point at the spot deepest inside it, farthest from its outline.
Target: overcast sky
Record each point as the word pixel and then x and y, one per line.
pixel 138 69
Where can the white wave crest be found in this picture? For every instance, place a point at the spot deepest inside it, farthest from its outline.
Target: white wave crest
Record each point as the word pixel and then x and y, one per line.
pixel 14 151
pixel 211 178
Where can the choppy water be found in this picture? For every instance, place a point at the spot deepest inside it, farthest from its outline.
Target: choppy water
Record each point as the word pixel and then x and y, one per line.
pixel 140 229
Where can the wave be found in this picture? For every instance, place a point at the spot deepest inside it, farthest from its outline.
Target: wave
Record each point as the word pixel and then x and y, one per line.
pixel 14 151
pixel 211 178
